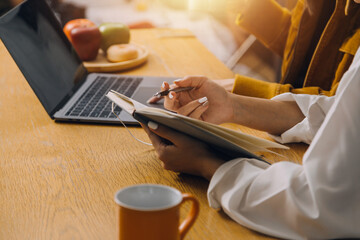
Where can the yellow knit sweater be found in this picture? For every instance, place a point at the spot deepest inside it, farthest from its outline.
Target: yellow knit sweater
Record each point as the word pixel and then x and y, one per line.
pixel 316 41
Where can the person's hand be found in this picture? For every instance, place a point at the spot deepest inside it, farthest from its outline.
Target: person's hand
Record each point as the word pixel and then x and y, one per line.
pixel 207 100
pixel 227 84
pixel 181 153
pixel 164 86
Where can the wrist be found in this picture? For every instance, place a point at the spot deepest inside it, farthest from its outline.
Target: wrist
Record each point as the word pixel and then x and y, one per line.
pixel 235 106
pixel 243 109
pixel 209 167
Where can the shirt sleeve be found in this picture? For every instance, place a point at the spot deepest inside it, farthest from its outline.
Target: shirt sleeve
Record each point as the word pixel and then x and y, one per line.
pixel 314 108
pixel 316 200
pixel 248 86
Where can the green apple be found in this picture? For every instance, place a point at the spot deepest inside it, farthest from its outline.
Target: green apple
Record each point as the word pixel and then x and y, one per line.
pixel 113 33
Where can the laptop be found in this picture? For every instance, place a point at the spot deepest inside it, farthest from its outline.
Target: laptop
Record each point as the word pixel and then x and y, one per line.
pixel 35 39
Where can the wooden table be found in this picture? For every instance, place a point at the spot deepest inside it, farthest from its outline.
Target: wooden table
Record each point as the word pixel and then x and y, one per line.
pixel 57 181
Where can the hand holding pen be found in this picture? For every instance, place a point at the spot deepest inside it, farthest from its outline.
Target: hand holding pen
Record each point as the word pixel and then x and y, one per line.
pixel 179 98
pixel 206 100
pixel 165 90
pixel 176 89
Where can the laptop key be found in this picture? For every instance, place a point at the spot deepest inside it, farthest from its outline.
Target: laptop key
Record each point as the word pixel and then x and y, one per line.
pixel 84 114
pixel 74 114
pixel 94 114
pixel 105 114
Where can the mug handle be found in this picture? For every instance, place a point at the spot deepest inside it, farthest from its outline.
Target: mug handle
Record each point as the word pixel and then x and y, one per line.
pixel 191 217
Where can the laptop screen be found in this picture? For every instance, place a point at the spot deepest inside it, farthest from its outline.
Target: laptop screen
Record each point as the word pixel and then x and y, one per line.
pixel 35 40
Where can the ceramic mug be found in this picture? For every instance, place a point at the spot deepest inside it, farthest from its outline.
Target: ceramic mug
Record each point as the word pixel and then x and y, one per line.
pixel 152 212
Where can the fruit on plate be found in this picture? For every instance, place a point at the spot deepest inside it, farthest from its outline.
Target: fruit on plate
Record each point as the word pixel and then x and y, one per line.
pixel 85 38
pixel 113 33
pixel 121 52
pixel 86 42
pixel 141 24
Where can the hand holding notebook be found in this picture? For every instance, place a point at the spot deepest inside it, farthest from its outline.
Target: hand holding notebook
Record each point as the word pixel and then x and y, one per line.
pixel 229 142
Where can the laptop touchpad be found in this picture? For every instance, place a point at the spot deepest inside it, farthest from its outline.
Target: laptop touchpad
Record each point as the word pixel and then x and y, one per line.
pixel 144 93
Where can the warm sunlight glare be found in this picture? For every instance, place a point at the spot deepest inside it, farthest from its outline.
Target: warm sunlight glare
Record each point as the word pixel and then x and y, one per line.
pixel 202 5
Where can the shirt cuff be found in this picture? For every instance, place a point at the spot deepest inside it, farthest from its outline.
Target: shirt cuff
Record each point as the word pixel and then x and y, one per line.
pixel 227 178
pixel 257 88
pixel 314 108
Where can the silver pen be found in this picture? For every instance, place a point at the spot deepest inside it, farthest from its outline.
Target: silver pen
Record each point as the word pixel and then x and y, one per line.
pixel 177 89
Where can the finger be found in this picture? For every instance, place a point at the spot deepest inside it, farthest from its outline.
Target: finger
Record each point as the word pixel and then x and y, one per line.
pixel 155 139
pixel 155 99
pixel 197 113
pixel 146 129
pixel 165 86
pixel 167 133
pixel 171 102
pixel 170 99
pixel 172 86
pixel 191 107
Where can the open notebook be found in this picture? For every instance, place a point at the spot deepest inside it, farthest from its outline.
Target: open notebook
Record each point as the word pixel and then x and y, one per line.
pixel 227 141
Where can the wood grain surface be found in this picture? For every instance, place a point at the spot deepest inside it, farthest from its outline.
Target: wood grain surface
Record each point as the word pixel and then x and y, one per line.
pixel 57 180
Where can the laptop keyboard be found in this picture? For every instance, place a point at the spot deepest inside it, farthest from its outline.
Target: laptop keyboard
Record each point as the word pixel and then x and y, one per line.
pixel 94 103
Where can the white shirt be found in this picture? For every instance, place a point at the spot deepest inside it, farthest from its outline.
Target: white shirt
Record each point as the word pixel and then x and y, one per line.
pixel 319 199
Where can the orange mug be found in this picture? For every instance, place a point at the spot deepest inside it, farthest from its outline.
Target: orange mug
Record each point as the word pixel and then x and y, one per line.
pixel 152 212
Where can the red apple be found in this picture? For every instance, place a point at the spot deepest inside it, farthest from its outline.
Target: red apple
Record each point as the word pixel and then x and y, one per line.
pixel 85 38
pixel 86 41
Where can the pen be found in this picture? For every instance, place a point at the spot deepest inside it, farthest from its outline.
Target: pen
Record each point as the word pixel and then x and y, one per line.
pixel 166 92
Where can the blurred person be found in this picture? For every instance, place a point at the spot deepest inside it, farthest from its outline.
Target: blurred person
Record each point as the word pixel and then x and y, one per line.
pixel 317 41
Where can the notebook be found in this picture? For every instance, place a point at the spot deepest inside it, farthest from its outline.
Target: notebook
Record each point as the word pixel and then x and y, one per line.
pixel 35 40
pixel 224 140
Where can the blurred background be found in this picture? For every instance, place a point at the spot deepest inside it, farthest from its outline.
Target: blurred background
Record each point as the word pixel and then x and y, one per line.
pixel 208 20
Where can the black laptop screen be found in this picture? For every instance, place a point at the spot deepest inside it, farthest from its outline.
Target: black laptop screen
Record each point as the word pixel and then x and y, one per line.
pixel 35 40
